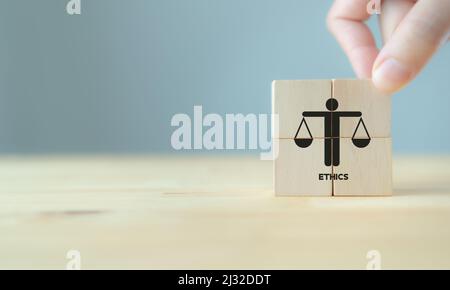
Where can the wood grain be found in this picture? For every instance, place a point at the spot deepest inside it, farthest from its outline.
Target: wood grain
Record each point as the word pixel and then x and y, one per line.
pixel 156 212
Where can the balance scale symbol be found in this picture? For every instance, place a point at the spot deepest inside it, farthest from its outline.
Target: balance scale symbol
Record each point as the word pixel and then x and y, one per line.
pixel 332 131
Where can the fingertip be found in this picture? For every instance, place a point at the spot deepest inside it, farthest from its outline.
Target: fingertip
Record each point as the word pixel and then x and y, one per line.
pixel 391 75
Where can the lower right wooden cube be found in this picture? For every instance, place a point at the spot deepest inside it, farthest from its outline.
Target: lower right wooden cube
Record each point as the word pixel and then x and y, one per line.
pixel 364 171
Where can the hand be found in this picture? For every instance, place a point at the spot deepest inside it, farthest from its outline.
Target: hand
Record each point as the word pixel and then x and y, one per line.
pixel 412 31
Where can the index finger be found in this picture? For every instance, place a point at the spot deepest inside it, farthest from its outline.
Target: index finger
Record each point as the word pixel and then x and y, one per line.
pixel 346 22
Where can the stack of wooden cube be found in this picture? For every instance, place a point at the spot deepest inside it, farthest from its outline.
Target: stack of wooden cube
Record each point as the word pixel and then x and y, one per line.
pixel 334 138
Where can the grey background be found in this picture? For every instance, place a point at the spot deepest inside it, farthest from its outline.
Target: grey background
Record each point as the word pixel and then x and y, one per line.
pixel 111 79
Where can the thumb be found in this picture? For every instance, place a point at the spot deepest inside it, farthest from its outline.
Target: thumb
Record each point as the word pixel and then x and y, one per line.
pixel 411 46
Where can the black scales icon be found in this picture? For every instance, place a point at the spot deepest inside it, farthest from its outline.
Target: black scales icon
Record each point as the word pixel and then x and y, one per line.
pixel 332 131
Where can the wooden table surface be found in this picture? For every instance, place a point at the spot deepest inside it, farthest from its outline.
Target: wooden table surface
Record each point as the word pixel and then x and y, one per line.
pixel 157 212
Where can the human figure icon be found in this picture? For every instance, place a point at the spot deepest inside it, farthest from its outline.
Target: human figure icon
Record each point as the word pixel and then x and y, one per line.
pixel 332 131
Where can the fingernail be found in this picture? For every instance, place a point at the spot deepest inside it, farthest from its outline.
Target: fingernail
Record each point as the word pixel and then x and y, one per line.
pixel 391 75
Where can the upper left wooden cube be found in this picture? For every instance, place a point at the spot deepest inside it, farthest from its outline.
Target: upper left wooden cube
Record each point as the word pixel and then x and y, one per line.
pixel 291 98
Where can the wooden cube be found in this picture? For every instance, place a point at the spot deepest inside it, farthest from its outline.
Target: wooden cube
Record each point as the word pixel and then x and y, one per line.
pixel 298 170
pixel 291 98
pixel 369 169
pixel 362 96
